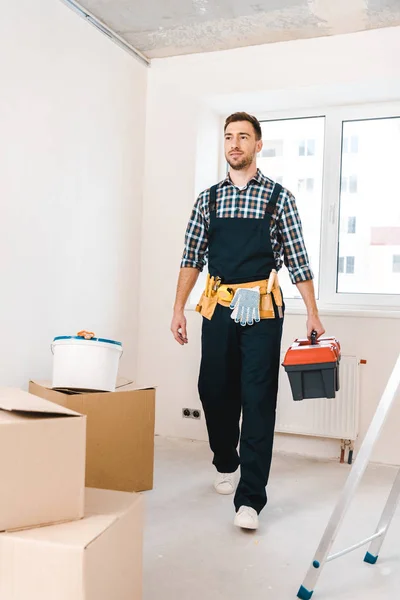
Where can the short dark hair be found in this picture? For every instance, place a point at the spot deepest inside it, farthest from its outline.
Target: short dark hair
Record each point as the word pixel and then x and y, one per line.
pixel 244 116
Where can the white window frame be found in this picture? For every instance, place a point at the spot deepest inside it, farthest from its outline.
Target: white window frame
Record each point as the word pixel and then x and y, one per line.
pixel 331 302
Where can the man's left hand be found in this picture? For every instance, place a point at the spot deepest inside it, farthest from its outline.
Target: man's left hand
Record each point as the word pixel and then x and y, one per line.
pixel 314 324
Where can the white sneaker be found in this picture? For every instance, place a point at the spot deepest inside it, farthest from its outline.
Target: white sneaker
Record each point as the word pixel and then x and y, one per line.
pixel 246 518
pixel 225 483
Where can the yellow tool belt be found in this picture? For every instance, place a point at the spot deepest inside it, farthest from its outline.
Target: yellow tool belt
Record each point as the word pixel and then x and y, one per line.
pixel 215 293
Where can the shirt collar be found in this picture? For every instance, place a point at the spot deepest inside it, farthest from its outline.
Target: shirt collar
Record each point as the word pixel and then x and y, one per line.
pixel 258 179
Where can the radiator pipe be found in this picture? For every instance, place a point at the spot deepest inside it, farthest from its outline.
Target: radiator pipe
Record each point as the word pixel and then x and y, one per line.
pixel 342 449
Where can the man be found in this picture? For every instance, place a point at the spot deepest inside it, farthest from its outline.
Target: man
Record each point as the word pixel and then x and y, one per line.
pixel 246 225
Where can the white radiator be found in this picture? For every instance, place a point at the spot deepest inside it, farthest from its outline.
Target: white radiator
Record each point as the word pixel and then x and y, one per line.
pixel 323 417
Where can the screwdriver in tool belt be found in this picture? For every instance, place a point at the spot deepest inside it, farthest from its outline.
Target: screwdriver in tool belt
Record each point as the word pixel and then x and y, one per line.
pixel 271 281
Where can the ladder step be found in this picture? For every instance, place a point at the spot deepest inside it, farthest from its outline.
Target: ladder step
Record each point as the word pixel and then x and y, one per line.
pixel 347 550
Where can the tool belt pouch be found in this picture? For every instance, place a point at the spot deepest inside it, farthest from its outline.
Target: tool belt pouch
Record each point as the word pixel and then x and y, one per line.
pixel 267 310
pixel 266 307
pixel 206 306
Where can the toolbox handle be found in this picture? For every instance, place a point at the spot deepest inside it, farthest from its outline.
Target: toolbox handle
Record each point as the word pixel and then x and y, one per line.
pixel 306 341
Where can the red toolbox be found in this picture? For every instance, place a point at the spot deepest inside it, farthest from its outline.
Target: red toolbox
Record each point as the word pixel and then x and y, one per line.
pixel 313 367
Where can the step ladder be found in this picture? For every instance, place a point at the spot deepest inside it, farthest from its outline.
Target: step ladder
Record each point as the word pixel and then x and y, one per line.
pixel 322 555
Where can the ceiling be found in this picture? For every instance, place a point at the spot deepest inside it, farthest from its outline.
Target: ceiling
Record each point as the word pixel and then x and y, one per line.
pixel 160 28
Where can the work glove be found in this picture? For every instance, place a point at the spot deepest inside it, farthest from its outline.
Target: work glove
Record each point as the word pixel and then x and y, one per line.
pixel 246 306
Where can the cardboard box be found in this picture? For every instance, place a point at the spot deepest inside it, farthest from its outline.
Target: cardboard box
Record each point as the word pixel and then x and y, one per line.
pixel 97 558
pixel 120 434
pixel 42 461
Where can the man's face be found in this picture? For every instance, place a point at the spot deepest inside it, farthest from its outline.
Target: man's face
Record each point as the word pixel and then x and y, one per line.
pixel 241 146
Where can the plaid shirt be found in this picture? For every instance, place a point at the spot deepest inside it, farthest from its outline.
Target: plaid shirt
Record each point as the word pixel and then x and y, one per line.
pixel 250 202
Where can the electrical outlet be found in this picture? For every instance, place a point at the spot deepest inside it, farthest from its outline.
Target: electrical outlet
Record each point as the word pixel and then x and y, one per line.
pixel 191 413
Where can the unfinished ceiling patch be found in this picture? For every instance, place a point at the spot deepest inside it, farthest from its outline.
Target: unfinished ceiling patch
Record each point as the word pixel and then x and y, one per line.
pixel 161 28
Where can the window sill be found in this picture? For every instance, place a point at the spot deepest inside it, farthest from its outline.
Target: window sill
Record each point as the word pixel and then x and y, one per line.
pixel 349 311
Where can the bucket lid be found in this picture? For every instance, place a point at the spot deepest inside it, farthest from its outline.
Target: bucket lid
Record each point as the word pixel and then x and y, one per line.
pixel 78 337
pixel 302 353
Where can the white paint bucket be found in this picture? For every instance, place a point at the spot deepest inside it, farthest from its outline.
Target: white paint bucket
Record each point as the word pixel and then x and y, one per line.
pixel 85 364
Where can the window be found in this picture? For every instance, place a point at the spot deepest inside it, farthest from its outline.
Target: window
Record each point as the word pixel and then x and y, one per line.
pixel 306 185
pixel 375 232
pixel 351 224
pixel 272 148
pixel 346 264
pixel 349 184
pixel 307 148
pixel 353 184
pixel 350 145
pixel 350 264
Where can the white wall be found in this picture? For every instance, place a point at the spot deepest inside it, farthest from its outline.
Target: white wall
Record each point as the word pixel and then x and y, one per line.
pixel 183 94
pixel 72 126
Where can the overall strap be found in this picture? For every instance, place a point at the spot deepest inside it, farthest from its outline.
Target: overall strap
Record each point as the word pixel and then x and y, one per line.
pixel 273 199
pixel 213 198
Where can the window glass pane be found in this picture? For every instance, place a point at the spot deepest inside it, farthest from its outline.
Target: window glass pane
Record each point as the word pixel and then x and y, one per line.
pixel 272 148
pixel 310 147
pixel 350 264
pixel 353 184
pixel 369 199
pixel 306 185
pixel 350 144
pixel 396 263
pixel 351 226
pixel 269 152
pixel 302 177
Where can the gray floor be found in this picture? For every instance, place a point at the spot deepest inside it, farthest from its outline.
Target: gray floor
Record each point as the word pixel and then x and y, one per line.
pixel 193 552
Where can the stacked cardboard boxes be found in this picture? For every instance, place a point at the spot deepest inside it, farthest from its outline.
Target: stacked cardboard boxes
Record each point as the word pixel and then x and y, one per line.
pixel 120 433
pixel 58 540
pixel 96 558
pixel 42 461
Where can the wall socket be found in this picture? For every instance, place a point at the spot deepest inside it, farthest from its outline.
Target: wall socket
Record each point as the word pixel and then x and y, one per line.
pixel 191 413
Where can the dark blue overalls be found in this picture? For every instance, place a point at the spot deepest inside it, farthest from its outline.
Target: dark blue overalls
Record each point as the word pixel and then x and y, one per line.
pixel 239 365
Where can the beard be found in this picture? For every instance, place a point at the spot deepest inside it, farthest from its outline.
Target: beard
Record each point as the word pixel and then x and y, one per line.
pixel 243 163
